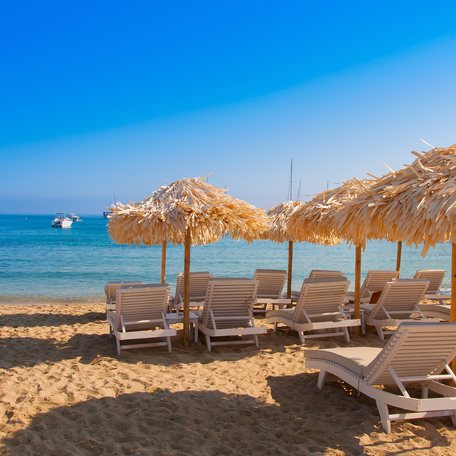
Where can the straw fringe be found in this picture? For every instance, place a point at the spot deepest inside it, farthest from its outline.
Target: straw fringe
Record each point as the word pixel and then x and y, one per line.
pixel 416 204
pixel 315 220
pixel 191 203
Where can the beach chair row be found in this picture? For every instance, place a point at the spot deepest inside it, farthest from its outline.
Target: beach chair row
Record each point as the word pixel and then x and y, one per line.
pixel 139 311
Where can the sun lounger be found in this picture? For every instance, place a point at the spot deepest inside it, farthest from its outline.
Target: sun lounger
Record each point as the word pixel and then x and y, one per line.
pixel 228 312
pixel 398 302
pixel 141 314
pixel 417 353
pixel 374 282
pixel 270 286
pixel 435 277
pixel 110 292
pixel 197 289
pixel 439 311
pixel 318 308
pixel 322 273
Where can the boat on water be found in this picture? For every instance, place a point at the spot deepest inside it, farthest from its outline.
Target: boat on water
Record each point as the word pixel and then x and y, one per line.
pixel 75 217
pixel 107 214
pixel 61 221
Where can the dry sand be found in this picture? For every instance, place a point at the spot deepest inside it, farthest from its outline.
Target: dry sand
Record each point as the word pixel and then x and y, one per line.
pixel 64 391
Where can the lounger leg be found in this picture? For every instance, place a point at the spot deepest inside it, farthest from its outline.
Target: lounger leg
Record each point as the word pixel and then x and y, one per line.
pixel 321 379
pixel 275 326
pixel 380 332
pixel 347 335
pixel 301 337
pixel 384 416
pixel 453 418
pixel 118 345
pixel 208 343
pixel 424 392
pixel 256 340
pixel 168 340
pixel 196 332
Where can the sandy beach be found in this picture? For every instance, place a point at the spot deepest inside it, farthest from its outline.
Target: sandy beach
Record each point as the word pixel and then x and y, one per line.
pixel 66 392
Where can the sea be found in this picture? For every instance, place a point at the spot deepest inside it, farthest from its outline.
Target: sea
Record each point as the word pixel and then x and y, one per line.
pixel 40 263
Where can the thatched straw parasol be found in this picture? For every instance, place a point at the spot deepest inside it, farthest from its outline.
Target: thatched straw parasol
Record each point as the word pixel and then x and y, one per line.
pixel 279 217
pixel 188 211
pixel 416 204
pixel 315 222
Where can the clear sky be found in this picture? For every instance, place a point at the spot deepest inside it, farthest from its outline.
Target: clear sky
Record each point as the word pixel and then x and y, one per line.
pixel 106 97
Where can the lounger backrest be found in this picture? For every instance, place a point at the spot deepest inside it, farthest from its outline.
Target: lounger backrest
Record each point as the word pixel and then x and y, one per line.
pixel 198 286
pixel 415 349
pixel 375 281
pixel 111 289
pixel 321 273
pixel 148 302
pixel 325 295
pixel 400 298
pixel 229 298
pixel 270 282
pixel 435 277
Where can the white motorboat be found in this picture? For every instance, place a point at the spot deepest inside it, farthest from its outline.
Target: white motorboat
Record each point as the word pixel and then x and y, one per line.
pixel 75 217
pixel 61 221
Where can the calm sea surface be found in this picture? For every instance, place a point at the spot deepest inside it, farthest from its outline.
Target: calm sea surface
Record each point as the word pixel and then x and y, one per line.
pixel 37 261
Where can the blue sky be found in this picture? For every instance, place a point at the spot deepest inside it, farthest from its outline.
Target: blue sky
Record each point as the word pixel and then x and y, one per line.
pixel 122 97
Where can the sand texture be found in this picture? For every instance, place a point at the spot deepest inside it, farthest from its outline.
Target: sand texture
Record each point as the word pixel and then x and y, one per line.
pixel 64 391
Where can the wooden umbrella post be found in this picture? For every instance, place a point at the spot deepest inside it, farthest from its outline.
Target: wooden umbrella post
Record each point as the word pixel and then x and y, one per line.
pixel 187 288
pixel 453 292
pixel 453 283
pixel 163 266
pixel 399 256
pixel 357 286
pixel 290 268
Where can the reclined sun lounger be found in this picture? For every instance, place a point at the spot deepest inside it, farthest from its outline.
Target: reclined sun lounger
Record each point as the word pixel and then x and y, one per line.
pixel 197 289
pixel 374 282
pixel 318 308
pixel 439 311
pixel 228 311
pixel 416 353
pixel 435 277
pixel 270 286
pixel 322 273
pixel 398 302
pixel 110 291
pixel 141 314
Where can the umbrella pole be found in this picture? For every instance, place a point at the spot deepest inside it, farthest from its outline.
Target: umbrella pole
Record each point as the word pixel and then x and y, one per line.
pixel 357 285
pixel 187 288
pixel 290 268
pixel 453 283
pixel 163 268
pixel 453 292
pixel 399 256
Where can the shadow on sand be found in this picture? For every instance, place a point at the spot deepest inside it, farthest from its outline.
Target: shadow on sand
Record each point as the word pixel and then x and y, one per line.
pixel 22 320
pixel 183 423
pixel 89 348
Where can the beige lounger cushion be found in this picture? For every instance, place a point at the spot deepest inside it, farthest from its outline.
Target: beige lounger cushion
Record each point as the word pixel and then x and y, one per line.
pixel 356 359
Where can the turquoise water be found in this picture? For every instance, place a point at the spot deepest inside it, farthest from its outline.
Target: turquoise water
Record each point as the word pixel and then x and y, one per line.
pixel 39 261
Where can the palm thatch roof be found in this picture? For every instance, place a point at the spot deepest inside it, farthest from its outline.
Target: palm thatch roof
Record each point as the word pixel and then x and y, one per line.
pixel 278 217
pixel 191 203
pixel 416 204
pixel 315 221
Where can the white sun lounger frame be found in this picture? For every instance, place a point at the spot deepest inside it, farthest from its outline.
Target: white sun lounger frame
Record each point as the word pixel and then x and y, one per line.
pixel 141 314
pixel 228 312
pixel 318 308
pixel 197 290
pixel 270 289
pixel 412 349
pixel 399 302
